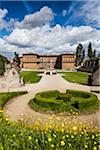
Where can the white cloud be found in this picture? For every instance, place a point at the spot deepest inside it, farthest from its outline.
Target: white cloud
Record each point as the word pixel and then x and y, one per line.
pixel 44 16
pixel 64 12
pixel 39 18
pixel 34 34
pixel 91 11
pixel 3 23
pixel 50 40
pixel 88 12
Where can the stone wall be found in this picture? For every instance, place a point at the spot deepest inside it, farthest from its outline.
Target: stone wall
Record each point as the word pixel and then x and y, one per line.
pixel 68 61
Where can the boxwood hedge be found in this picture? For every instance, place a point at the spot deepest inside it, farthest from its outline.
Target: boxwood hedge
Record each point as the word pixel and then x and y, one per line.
pixel 64 102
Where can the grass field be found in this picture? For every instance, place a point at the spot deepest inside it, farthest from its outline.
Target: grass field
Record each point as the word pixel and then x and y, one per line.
pixel 76 77
pixel 58 135
pixel 76 101
pixel 30 76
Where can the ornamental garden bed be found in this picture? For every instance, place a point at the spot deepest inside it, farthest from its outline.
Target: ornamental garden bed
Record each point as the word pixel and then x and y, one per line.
pixel 77 101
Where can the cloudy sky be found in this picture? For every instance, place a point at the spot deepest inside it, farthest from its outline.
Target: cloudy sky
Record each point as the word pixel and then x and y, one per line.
pixel 52 27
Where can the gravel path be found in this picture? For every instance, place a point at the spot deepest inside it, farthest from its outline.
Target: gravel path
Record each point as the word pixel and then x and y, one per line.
pixel 18 106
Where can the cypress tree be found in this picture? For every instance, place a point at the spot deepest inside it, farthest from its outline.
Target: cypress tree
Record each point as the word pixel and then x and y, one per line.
pixel 90 53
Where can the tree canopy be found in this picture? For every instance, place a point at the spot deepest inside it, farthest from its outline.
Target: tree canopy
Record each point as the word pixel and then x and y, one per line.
pixel 80 54
pixel 91 52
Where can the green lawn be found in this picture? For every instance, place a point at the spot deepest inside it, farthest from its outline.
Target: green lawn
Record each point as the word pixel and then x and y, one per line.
pixel 30 76
pixel 76 77
pixel 72 100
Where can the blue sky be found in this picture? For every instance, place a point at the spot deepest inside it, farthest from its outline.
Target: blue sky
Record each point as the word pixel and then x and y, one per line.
pixel 18 9
pixel 78 19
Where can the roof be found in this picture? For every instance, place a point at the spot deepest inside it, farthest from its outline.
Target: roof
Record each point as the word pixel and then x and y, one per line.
pixel 52 55
pixel 29 54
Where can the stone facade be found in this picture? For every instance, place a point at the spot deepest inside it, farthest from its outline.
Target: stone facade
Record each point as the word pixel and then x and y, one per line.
pixel 34 61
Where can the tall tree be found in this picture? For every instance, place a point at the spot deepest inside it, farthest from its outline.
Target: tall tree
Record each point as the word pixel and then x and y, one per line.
pixel 94 53
pixel 90 53
pixel 16 60
pixel 80 54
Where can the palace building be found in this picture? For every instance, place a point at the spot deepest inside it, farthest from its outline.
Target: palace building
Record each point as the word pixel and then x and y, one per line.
pixel 34 61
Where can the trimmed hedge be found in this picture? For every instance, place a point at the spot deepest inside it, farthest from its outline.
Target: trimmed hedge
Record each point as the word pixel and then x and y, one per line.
pixel 64 102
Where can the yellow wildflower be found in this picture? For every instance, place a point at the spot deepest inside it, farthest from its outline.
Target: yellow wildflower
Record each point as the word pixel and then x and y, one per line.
pixel 62 125
pixel 52 145
pixel 61 114
pixel 82 132
pixel 74 128
pixel 21 134
pixel 49 139
pixel 63 137
pixel 13 135
pixel 62 143
pixel 72 136
pixel 69 122
pixel 58 118
pixel 53 115
pixel 86 146
pixel 76 113
pixel 6 119
pixel 74 133
pixel 36 140
pixel 95 142
pixel 95 148
pixel 54 135
pixel 21 119
pixel 62 130
pixel 30 138
pixel 1 110
pixel 92 136
pixel 67 135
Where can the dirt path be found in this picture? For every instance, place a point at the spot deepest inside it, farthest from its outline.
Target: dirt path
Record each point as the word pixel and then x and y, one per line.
pixel 18 107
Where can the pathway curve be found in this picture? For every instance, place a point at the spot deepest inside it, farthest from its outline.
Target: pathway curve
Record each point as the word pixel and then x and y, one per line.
pixel 18 106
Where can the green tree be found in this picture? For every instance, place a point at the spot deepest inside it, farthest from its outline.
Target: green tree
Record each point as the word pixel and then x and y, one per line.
pixel 80 54
pixel 16 60
pixel 94 53
pixel 90 53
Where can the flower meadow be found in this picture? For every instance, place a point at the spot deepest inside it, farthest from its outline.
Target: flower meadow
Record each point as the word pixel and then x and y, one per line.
pixel 56 134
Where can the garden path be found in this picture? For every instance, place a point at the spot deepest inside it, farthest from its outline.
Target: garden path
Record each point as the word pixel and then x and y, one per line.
pixel 18 107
